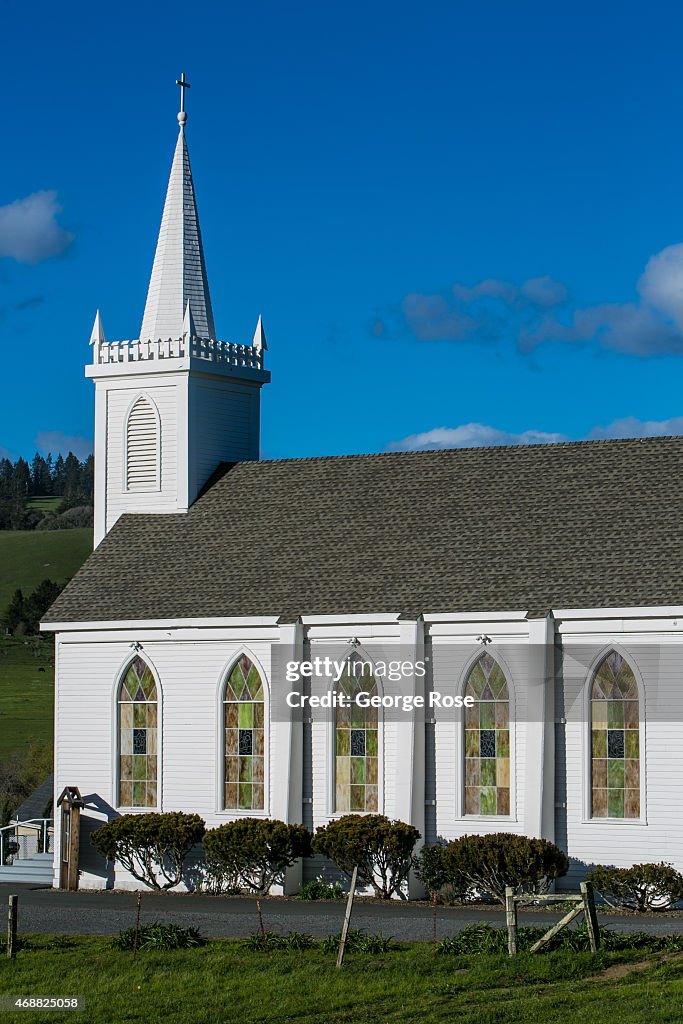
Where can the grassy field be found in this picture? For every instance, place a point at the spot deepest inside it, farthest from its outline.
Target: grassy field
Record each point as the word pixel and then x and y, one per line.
pixel 26 692
pixel 44 503
pixel 29 556
pixel 224 982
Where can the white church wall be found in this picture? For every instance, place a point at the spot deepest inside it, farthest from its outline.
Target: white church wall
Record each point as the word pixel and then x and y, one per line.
pixel 377 641
pixel 223 426
pixel 657 659
pixel 449 677
pixel 191 663
pixel 116 400
pixel 190 674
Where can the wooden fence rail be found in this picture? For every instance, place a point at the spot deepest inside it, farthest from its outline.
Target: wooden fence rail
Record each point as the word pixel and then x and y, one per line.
pixel 585 904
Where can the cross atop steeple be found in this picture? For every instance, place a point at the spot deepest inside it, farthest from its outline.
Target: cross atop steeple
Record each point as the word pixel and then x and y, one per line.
pixel 182 116
pixel 179 271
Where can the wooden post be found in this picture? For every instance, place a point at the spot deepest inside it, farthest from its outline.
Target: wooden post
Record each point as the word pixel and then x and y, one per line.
pixel 511 920
pixel 347 917
pixel 264 937
pixel 12 926
pixel 136 937
pixel 591 917
pixel 74 844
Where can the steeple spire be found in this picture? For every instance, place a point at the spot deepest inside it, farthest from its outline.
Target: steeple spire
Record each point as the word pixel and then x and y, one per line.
pixel 179 272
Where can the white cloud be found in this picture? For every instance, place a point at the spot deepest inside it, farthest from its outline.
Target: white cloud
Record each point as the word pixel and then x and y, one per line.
pixel 470 435
pixel 539 311
pixel 29 231
pixel 479 313
pixel 661 285
pixel 543 291
pixel 629 426
pixel 56 443
pixel 480 435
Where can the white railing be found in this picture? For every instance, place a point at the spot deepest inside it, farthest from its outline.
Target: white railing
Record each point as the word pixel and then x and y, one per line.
pixel 226 352
pixel 15 846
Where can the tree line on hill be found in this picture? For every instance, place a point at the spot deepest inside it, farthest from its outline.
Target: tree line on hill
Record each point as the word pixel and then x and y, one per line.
pixel 24 612
pixel 66 478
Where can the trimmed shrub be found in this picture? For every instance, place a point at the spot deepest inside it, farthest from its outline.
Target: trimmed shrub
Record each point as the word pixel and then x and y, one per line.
pixel 434 869
pixel 254 853
pixel 317 889
pixel 642 887
pixel 382 849
pixel 159 936
pixel 487 864
pixel 153 847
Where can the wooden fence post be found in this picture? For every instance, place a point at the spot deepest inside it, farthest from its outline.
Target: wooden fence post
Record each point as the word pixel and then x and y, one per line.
pixel 591 917
pixel 347 917
pixel 511 920
pixel 12 926
pixel 136 936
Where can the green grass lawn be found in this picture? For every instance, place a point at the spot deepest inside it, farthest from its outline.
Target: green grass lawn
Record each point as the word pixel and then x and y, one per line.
pixel 29 556
pixel 224 982
pixel 44 503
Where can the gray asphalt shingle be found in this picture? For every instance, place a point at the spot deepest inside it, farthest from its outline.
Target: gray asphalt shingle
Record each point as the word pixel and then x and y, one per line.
pixel 589 524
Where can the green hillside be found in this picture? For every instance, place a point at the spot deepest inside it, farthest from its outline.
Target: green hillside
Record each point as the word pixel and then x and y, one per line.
pixel 26 692
pixel 27 663
pixel 29 556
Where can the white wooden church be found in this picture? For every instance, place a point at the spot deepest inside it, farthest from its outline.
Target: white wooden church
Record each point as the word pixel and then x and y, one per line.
pixel 546 582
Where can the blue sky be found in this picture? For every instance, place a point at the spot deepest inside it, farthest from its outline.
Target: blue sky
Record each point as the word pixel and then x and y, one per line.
pixel 459 220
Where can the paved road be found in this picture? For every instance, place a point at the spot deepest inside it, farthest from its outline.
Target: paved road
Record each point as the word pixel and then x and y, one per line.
pixel 106 913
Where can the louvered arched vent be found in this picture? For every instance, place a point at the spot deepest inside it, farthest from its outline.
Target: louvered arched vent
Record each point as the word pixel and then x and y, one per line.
pixel 142 447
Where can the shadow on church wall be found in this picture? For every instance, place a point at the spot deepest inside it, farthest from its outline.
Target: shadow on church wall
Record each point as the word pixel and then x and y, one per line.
pixel 89 859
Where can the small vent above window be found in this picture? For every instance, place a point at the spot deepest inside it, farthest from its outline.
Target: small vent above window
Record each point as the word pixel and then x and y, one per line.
pixel 142 447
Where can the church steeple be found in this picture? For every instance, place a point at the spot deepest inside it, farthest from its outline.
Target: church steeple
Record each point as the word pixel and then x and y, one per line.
pixel 179 270
pixel 173 404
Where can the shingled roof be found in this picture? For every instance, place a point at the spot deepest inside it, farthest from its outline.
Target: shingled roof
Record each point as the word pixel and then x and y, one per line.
pixel 589 524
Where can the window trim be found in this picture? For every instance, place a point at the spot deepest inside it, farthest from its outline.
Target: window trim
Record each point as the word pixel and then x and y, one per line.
pixel 460 814
pixel 587 725
pixel 233 813
pixel 331 743
pixel 116 736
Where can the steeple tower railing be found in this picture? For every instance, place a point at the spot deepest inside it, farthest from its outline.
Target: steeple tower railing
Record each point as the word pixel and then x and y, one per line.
pixel 138 351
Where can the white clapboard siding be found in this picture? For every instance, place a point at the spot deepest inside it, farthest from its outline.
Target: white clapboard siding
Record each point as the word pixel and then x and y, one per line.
pixel 126 486
pixel 142 447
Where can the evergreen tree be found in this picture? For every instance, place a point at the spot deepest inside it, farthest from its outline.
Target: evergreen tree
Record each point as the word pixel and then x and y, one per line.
pixel 72 475
pixel 21 484
pixel 16 610
pixel 58 479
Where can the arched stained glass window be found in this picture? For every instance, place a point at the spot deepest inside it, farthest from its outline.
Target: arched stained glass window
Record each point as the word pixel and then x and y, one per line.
pixel 356 743
pixel 138 730
pixel 244 738
pixel 615 737
pixel 487 739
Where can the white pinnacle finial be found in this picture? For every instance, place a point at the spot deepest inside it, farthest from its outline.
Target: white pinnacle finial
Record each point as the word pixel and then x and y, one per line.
pixel 97 336
pixel 182 116
pixel 259 342
pixel 188 322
